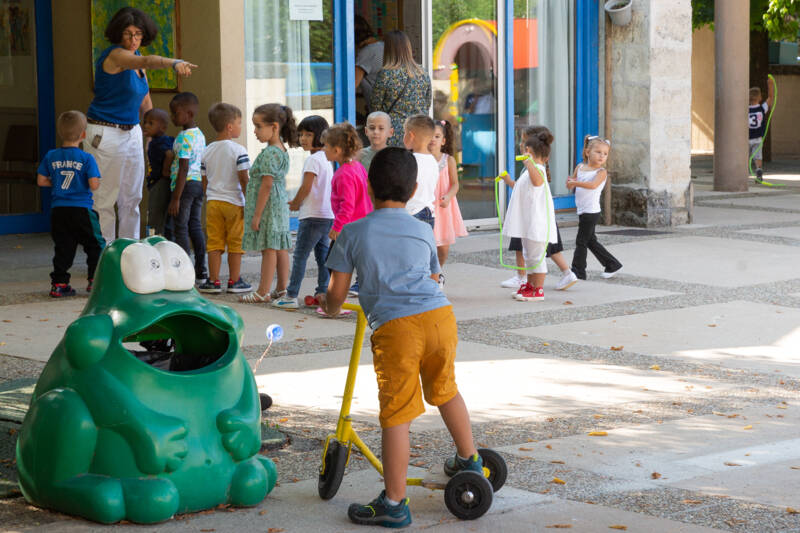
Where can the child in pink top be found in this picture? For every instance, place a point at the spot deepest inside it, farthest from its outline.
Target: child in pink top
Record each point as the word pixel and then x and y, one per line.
pixel 349 196
pixel 448 222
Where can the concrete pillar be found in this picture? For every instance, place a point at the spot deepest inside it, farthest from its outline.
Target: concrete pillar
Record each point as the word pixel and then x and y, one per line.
pixel 650 114
pixel 231 51
pixel 731 54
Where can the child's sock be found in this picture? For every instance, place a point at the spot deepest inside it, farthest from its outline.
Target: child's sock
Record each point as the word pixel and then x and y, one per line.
pixel 462 458
pixel 391 502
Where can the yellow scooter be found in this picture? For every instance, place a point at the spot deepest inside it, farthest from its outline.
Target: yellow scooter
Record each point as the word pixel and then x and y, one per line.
pixel 468 495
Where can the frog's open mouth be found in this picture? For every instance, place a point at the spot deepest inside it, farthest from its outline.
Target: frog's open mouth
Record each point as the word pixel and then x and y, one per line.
pixel 179 343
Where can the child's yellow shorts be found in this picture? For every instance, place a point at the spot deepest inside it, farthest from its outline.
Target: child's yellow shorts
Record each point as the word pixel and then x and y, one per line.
pixel 407 349
pixel 224 226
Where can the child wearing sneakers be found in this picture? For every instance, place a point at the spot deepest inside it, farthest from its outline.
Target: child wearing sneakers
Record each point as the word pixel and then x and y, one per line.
pixel 414 329
pixel 588 180
pixel 313 201
pixel 568 277
pixel 73 175
pixel 531 216
pixel 224 170
pixel 186 183
pixel 419 131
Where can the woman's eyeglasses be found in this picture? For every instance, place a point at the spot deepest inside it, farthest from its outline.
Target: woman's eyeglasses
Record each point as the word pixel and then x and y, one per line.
pixel 136 35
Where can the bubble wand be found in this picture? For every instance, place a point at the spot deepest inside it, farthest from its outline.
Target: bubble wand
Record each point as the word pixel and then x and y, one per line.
pixel 764 138
pixel 497 181
pixel 274 333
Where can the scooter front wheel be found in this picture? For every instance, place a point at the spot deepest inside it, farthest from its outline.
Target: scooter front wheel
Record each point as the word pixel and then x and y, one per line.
pixel 332 470
pixel 468 495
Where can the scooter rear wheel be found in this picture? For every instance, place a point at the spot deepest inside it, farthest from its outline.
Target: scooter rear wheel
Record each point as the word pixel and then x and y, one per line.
pixel 332 470
pixel 498 471
pixel 468 495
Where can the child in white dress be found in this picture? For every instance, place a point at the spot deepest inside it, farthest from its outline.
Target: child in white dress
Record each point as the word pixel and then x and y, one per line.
pixel 531 216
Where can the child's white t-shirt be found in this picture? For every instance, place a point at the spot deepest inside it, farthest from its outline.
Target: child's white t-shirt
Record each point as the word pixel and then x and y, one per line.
pixel 427 178
pixel 530 212
pixel 220 164
pixel 587 200
pixel 318 202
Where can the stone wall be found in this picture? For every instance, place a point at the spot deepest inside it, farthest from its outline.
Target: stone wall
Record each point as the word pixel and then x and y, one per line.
pixel 650 118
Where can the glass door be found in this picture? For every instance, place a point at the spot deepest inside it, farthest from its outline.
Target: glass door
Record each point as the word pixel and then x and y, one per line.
pixel 289 61
pixel 465 93
pixel 19 117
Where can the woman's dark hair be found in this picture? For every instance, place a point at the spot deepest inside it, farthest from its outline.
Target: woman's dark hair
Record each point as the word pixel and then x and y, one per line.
pixel 314 124
pixel 393 174
pixel 447 132
pixel 130 16
pixel 282 114
pixel 361 29
pixel 343 135
pixel 540 143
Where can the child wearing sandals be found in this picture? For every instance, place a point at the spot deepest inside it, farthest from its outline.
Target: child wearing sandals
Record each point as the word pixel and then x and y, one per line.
pixel 448 223
pixel 266 208
pixel 568 277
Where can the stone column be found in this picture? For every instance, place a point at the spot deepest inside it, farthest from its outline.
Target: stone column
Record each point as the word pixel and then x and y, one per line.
pixel 731 54
pixel 651 114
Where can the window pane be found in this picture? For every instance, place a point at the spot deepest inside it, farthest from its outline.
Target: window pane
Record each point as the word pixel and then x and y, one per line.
pixel 543 88
pixel 465 94
pixel 288 62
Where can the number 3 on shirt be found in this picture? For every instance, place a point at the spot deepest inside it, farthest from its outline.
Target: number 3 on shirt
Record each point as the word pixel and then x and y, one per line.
pixel 68 175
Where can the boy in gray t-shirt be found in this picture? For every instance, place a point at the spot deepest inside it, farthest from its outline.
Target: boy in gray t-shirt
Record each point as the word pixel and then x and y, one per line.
pixel 415 333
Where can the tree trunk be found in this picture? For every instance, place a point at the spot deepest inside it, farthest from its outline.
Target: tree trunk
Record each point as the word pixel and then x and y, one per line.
pixel 759 68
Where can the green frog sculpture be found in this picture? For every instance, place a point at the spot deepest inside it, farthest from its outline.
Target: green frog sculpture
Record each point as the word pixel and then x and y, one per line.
pixel 115 432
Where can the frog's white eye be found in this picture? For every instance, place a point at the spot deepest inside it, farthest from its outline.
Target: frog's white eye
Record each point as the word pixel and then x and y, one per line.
pixel 178 268
pixel 142 268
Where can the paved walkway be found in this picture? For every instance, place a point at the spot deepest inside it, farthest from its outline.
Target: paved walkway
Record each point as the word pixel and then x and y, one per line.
pixel 689 360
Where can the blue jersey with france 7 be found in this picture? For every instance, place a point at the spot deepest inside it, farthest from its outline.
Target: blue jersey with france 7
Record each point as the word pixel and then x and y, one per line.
pixel 69 169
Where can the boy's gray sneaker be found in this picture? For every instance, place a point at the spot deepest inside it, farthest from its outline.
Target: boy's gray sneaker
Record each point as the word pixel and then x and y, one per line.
pixel 285 302
pixel 275 294
pixel 455 464
pixel 210 287
pixel 239 285
pixel 567 280
pixel 378 512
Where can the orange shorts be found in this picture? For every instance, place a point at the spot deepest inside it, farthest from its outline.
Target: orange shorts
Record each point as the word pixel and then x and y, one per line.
pixel 407 349
pixel 224 225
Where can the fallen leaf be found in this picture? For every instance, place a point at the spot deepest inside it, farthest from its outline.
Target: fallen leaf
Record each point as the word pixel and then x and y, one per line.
pixel 655 475
pixel 617 348
pixel 792 510
pixel 598 433
pixel 795 467
pixel 748 427
pixel 557 462
pixel 718 413
pixel 209 529
pixel 655 367
pixel 524 449
pixel 262 513
pixel 6 320
pixel 275 530
pixel 550 419
pixel 644 335
pixel 597 416
pixel 568 302
pixel 559 526
pixel 548 446
pixel 693 502
pixel 545 344
pixel 12 431
pixel 781 407
pixel 558 481
pixel 617 526
pixel 712 325
pixel 733 415
pixel 732 464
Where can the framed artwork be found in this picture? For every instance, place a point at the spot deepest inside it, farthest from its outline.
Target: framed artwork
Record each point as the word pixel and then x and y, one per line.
pixel 164 13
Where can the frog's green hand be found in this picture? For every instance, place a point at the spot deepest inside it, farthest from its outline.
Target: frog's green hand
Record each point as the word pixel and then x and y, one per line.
pixel 239 425
pixel 87 340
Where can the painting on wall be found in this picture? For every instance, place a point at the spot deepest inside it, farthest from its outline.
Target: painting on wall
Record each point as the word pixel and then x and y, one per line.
pixel 16 34
pixel 164 13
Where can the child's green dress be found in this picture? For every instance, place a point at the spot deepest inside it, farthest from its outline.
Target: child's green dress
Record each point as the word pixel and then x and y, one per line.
pixel 273 232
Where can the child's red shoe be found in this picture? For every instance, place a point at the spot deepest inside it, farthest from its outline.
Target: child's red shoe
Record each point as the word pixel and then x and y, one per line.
pixel 527 293
pixel 311 301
